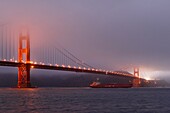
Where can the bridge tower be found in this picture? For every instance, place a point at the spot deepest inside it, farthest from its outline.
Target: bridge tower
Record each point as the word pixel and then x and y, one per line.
pixel 24 57
pixel 136 80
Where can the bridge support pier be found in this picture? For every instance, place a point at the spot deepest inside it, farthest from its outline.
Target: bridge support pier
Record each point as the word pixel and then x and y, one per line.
pixel 24 69
pixel 24 76
pixel 136 82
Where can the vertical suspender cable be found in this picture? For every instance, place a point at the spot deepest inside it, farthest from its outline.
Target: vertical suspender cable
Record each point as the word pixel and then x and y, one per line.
pixel 55 57
pixel 13 47
pixel 6 43
pixel 48 54
pixel 10 44
pixel 2 42
pixel 44 55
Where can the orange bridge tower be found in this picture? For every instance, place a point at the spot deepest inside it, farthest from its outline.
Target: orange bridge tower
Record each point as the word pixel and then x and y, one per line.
pixel 136 80
pixel 24 58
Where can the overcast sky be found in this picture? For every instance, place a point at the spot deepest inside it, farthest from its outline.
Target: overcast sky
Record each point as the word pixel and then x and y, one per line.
pixel 104 33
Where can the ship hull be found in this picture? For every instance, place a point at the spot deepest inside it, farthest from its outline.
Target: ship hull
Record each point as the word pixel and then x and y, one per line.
pixel 111 86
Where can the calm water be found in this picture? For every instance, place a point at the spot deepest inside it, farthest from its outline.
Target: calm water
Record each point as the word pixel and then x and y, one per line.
pixel 85 100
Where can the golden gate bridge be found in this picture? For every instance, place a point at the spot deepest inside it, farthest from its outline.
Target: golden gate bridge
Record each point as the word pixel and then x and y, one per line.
pixel 47 57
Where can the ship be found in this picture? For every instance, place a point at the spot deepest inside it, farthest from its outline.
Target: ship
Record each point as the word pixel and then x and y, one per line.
pixel 110 85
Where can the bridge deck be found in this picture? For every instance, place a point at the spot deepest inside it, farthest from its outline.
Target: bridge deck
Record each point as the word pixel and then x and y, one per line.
pixel 51 67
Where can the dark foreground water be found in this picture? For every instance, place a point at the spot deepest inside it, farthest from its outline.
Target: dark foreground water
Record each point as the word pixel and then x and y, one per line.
pixel 85 100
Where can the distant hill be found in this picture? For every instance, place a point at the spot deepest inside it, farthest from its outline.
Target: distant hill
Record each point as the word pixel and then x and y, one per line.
pixel 64 79
pixel 60 79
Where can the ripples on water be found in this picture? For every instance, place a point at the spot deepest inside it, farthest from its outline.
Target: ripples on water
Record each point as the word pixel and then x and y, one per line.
pixel 85 100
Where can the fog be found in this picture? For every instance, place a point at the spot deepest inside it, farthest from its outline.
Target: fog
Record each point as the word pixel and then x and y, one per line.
pixel 109 34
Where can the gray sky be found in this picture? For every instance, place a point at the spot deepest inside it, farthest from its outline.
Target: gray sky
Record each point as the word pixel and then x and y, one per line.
pixel 103 33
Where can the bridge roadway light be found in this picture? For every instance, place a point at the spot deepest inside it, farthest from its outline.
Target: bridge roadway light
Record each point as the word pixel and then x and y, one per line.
pixel 31 62
pixel 57 65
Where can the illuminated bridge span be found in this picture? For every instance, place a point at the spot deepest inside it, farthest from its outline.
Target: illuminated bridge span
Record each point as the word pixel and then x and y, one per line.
pixel 45 58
